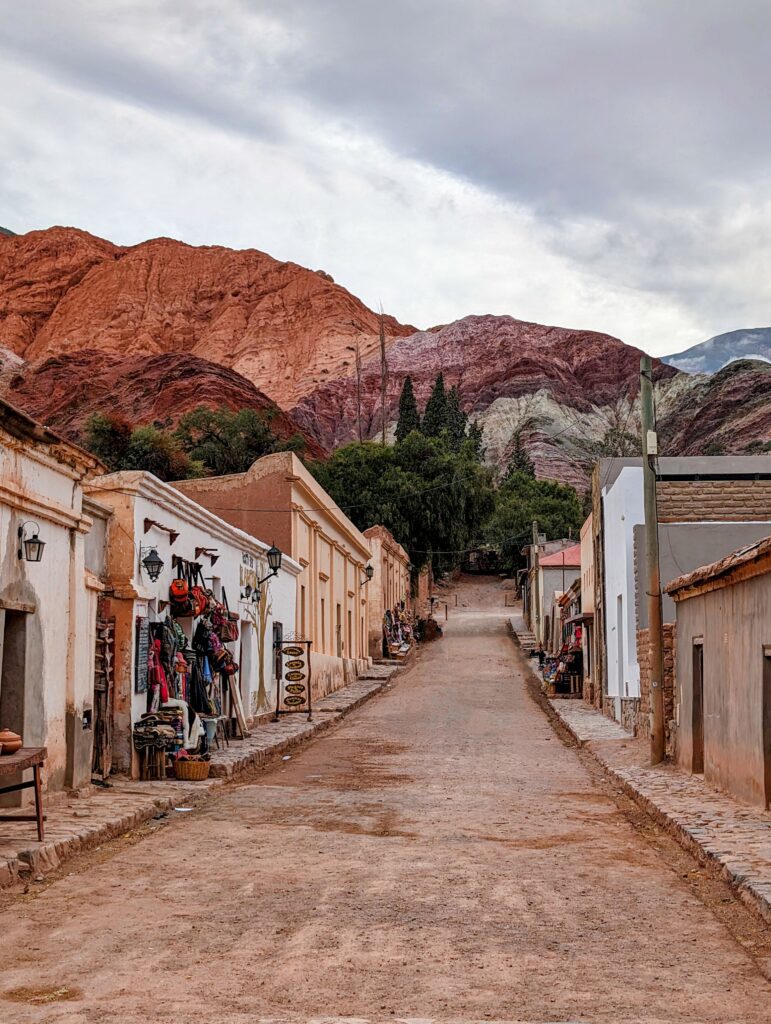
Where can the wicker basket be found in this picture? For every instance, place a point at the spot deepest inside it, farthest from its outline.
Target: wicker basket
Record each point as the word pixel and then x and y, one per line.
pixel 191 771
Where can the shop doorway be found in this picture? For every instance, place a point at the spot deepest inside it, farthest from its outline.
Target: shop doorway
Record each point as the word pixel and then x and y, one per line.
pixel 104 660
pixel 13 685
pixel 278 639
pixel 339 631
pixel 697 707
pixel 767 721
pixel 13 673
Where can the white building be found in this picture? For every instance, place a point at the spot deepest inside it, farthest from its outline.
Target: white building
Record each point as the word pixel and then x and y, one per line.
pixel 623 509
pixel 48 607
pixel 151 516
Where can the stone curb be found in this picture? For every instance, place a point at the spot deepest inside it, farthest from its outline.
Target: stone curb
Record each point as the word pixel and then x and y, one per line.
pixel 41 859
pixel 747 888
pixel 754 890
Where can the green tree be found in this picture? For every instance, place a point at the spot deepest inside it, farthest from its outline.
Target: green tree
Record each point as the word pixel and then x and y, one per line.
pixel 435 501
pixel 520 461
pixel 619 443
pixel 225 441
pixel 519 500
pixel 158 452
pixel 108 436
pixel 475 438
pixel 435 415
pixel 409 417
pixel 456 419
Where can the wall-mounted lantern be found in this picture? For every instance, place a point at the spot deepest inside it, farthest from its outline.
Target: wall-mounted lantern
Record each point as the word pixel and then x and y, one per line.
pixel 152 562
pixel 369 572
pixel 274 557
pixel 30 548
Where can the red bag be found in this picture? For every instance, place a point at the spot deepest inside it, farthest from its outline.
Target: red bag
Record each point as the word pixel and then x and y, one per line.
pixel 180 604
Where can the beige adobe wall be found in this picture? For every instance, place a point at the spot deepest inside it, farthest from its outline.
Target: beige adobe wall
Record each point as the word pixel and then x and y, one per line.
pixel 732 622
pixel 390 583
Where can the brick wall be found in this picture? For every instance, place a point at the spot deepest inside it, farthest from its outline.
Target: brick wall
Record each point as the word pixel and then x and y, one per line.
pixel 642 725
pixel 721 500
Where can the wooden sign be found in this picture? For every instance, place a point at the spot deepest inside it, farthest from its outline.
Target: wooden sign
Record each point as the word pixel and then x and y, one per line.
pixel 295 658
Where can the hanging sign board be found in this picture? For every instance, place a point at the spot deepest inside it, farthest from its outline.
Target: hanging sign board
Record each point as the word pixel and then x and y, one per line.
pixel 296 662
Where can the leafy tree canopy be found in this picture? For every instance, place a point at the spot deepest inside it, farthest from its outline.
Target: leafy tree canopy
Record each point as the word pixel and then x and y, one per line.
pixel 521 499
pixel 433 499
pixel 206 442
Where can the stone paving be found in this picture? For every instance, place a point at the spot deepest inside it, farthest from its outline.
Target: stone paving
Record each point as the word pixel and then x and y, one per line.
pixel 723 834
pixel 85 821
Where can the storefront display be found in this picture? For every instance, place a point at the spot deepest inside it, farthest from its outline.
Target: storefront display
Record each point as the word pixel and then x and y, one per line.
pixel 184 665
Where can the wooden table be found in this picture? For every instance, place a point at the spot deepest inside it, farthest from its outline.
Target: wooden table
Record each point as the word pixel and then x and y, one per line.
pixel 11 764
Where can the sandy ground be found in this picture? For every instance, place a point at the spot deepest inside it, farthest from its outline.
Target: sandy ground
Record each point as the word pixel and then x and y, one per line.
pixel 441 854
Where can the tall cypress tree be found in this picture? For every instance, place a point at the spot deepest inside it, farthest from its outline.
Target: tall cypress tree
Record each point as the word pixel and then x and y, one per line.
pixel 435 416
pixel 456 419
pixel 520 461
pixel 409 417
pixel 476 437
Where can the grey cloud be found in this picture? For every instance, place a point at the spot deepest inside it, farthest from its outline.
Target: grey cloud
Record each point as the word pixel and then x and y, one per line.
pixel 663 100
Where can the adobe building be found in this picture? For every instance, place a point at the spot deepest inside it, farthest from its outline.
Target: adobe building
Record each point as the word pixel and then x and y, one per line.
pixel 707 507
pixel 723 672
pixel 152 518
pixel 280 502
pixel 390 584
pixel 50 588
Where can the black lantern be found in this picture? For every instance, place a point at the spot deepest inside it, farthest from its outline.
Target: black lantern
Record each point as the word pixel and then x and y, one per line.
pixel 274 557
pixel 153 564
pixel 30 547
pixel 369 572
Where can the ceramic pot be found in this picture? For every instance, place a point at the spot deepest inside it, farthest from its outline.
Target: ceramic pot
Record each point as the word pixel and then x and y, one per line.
pixel 10 742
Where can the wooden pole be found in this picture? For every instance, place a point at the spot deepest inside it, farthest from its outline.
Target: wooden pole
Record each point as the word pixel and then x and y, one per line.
pixel 358 390
pixel 383 376
pixel 534 595
pixel 655 618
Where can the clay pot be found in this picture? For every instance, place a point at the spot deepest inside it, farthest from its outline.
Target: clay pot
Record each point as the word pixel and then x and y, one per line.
pixel 10 742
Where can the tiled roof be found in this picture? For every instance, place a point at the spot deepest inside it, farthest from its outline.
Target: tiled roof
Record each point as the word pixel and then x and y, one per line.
pixel 717 570
pixel 570 557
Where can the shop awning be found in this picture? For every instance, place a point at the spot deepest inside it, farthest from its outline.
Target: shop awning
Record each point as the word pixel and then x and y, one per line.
pixel 583 617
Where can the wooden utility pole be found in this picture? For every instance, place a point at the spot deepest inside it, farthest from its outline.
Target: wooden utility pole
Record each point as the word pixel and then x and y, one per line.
pixel 655 619
pixel 358 390
pixel 383 374
pixel 534 596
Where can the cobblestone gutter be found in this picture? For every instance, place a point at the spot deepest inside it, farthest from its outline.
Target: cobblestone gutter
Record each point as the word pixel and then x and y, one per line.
pixel 727 837
pixel 85 822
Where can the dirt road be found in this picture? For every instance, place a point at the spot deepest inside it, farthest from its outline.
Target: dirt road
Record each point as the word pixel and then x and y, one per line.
pixel 442 854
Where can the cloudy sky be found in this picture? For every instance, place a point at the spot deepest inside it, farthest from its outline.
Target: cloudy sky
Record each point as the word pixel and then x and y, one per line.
pixel 600 164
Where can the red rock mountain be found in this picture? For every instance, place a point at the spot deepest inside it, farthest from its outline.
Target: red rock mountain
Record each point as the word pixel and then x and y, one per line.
pixel 155 329
pixel 488 358
pixel 65 390
pixel 284 328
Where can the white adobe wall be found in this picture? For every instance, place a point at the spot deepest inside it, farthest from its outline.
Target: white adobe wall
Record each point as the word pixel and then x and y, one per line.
pixel 623 510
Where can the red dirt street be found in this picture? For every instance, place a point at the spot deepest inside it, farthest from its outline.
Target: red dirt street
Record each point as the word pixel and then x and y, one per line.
pixel 442 854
